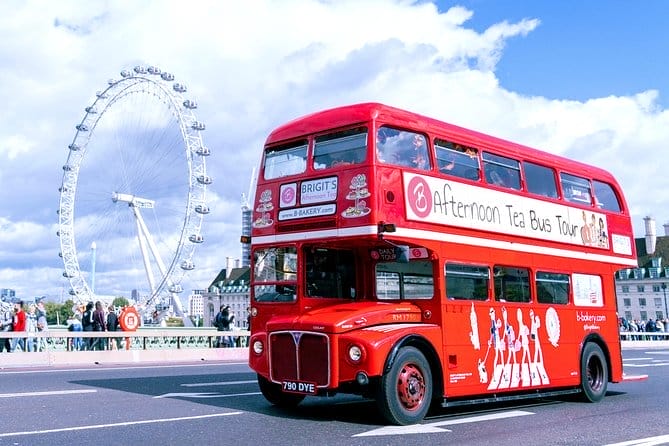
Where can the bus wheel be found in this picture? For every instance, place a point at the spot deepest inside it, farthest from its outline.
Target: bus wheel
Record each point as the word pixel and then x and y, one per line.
pixel 405 392
pixel 273 393
pixel 594 373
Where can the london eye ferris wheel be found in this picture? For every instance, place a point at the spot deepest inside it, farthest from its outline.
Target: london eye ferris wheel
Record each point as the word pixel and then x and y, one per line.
pixel 133 193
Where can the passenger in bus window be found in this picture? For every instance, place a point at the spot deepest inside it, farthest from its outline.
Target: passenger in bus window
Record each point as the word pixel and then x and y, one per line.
pixel 497 176
pixel 419 157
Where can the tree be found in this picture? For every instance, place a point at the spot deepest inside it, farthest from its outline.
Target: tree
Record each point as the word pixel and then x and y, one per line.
pixel 57 314
pixel 120 302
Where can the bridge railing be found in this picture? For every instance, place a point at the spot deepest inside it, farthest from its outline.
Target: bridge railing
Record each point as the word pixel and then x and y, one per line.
pixel 59 347
pixel 60 339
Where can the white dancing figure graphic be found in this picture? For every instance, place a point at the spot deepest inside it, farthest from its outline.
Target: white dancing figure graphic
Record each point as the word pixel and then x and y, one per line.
pixel 474 334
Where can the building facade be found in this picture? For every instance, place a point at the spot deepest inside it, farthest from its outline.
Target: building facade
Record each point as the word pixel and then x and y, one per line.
pixel 230 287
pixel 642 292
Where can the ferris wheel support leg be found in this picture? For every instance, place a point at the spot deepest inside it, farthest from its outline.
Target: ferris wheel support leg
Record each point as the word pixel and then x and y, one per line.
pixel 143 231
pixel 142 248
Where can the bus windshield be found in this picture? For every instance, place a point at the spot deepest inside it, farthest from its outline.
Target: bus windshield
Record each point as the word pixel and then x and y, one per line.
pixel 275 274
pixel 330 273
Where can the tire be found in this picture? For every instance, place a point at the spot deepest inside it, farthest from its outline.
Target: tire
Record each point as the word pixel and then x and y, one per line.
pixel 594 373
pixel 273 393
pixel 404 394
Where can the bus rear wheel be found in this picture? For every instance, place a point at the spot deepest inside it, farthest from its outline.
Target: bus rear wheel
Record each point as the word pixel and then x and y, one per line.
pixel 405 392
pixel 594 373
pixel 273 393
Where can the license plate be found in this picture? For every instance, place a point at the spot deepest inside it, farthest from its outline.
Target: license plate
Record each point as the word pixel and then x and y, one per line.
pixel 299 387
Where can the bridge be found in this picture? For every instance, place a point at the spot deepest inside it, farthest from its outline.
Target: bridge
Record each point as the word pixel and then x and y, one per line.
pixel 172 345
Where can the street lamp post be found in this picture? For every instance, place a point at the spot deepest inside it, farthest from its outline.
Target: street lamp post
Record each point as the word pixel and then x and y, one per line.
pixel 664 291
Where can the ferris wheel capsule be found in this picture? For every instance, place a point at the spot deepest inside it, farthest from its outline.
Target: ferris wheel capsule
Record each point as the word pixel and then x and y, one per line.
pixel 190 104
pixel 196 238
pixel 153 70
pixel 126 73
pixel 140 69
pixel 187 265
pixel 204 179
pixel 179 88
pixel 197 125
pixel 203 151
pixel 202 209
pixel 167 77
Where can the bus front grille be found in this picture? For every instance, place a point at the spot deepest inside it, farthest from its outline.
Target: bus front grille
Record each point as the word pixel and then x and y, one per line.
pixel 299 356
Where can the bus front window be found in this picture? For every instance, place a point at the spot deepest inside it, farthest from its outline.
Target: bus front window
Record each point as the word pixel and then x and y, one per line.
pixel 330 273
pixel 275 274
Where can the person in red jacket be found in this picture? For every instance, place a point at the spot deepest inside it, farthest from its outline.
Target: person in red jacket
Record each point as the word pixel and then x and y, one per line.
pixel 19 325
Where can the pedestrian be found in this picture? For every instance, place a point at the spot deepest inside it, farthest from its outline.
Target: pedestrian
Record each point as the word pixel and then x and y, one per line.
pixel 19 324
pixel 6 322
pixel 31 328
pixel 113 325
pixel 42 326
pixel 99 324
pixel 222 323
pixel 87 325
pixel 74 324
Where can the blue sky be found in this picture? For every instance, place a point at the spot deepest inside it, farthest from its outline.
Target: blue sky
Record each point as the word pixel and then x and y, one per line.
pixel 581 49
pixel 582 79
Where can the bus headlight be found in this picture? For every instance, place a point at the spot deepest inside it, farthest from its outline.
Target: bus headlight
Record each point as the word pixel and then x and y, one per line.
pixel 355 353
pixel 258 347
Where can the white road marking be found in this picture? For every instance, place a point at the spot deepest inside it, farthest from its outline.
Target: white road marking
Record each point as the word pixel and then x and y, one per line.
pixel 435 427
pixel 650 441
pixel 220 383
pixel 656 364
pixel 104 367
pixel 46 393
pixel 127 423
pixel 203 395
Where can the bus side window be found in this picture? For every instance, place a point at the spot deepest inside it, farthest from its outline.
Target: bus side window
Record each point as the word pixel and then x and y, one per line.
pixel 540 180
pixel 454 159
pixel 575 188
pixel 413 280
pixel 512 284
pixel 467 282
pixel 605 197
pixel 501 171
pixel 552 288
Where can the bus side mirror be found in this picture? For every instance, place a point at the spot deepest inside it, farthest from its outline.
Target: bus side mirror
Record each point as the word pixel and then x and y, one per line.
pixel 402 253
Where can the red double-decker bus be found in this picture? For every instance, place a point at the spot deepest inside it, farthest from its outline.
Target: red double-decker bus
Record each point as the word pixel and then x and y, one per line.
pixel 419 263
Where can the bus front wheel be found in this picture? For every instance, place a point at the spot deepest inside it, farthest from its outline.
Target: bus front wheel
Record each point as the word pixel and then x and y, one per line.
pixel 405 391
pixel 273 393
pixel 594 373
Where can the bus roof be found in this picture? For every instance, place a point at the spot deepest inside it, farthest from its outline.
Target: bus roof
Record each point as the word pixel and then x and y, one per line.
pixel 364 112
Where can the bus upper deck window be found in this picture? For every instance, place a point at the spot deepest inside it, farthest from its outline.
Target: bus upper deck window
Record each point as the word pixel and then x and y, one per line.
pixel 286 160
pixel 457 160
pixel 575 188
pixel 540 180
pixel 501 171
pixel 402 148
pixel 605 197
pixel 340 148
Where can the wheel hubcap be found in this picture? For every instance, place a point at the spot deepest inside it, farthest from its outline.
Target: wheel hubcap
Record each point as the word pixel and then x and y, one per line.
pixel 411 387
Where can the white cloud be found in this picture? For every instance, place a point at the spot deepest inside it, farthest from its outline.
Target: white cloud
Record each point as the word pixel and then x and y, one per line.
pixel 254 65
